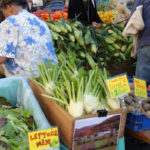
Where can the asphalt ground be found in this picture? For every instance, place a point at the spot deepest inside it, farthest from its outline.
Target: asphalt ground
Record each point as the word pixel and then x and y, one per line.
pixel 133 144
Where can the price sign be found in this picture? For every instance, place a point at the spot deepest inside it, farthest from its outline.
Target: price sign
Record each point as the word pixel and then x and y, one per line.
pixel 43 139
pixel 140 88
pixel 118 86
pixel 37 3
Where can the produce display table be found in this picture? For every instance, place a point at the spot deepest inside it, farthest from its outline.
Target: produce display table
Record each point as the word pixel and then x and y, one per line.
pixel 142 136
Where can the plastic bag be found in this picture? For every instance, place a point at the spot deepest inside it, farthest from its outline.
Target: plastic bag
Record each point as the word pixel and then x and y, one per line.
pixel 17 90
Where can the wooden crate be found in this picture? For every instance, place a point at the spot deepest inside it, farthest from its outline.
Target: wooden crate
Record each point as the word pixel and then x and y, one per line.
pixel 142 136
pixel 57 116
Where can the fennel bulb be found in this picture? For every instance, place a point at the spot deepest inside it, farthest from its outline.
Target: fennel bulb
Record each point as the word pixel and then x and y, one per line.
pixel 90 103
pixel 75 108
pixel 113 103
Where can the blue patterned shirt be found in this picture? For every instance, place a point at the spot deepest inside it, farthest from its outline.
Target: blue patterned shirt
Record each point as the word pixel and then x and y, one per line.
pixel 25 40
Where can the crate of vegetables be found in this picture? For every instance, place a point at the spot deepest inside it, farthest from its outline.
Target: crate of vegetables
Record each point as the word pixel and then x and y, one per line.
pixel 67 93
pixel 20 113
pixel 137 121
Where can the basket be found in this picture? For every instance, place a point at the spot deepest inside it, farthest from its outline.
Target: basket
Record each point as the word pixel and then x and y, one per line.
pixel 137 122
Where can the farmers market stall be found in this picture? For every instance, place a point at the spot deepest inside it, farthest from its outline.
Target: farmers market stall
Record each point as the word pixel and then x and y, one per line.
pixel 75 88
pixel 65 87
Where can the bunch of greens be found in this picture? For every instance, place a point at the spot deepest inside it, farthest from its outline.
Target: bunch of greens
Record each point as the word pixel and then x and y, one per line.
pixel 15 123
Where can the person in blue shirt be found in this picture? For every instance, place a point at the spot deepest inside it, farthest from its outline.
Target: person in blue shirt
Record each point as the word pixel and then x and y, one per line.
pixel 25 40
pixel 49 5
pixel 54 5
pixel 143 51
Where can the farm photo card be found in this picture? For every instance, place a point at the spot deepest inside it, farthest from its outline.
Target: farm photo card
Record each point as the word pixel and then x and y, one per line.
pixel 98 133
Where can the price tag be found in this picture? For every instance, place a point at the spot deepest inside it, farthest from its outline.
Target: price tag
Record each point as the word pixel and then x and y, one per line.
pixel 140 88
pixel 37 3
pixel 118 86
pixel 43 139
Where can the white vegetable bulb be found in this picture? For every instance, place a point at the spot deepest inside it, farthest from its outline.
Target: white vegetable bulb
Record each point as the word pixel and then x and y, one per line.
pixel 90 103
pixel 113 103
pixel 75 108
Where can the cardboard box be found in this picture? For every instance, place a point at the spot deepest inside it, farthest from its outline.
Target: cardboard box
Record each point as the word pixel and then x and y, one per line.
pixel 57 116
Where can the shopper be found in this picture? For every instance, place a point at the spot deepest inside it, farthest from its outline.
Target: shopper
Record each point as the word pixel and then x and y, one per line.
pixel 55 5
pixel 85 10
pixel 49 5
pixel 143 51
pixel 24 40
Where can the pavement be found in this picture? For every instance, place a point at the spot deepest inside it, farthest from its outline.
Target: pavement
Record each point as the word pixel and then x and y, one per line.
pixel 133 144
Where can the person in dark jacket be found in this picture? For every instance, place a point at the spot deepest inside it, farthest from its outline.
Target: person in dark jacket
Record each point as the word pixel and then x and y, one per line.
pixel 143 51
pixel 85 10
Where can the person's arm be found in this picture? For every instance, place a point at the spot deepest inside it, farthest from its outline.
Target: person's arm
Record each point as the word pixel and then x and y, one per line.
pixel 3 59
pixel 8 40
pixel 96 17
pixel 66 4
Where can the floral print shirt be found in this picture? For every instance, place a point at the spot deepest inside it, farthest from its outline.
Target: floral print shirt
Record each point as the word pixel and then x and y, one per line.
pixel 25 40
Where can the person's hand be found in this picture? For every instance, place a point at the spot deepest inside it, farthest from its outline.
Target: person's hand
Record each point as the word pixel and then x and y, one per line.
pixel 66 4
pixel 96 25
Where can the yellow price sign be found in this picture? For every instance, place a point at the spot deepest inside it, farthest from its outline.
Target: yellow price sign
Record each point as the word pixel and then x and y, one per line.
pixel 140 88
pixel 43 139
pixel 118 86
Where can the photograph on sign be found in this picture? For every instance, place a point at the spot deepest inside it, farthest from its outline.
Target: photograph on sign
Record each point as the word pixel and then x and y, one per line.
pixel 140 88
pixel 118 85
pixel 44 139
pixel 97 133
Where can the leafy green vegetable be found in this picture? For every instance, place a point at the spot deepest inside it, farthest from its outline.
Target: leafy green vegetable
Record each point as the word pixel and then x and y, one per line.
pixel 18 123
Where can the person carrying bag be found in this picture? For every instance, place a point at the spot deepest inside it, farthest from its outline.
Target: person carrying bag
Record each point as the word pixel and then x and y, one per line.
pixel 143 38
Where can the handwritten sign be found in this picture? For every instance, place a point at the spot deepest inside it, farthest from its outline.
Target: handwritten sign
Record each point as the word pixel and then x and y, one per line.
pixel 118 86
pixel 140 88
pixel 43 139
